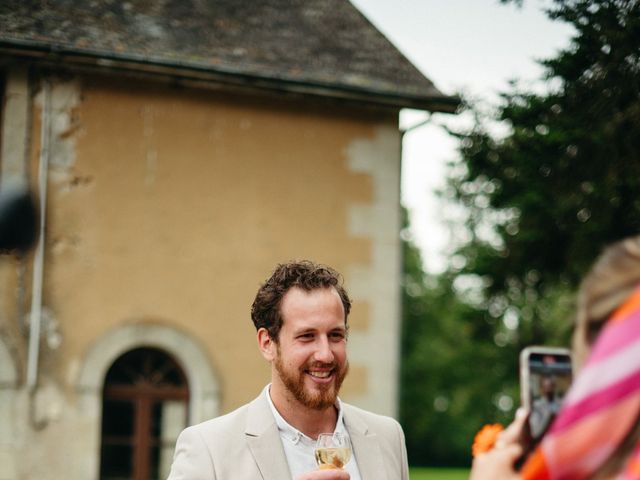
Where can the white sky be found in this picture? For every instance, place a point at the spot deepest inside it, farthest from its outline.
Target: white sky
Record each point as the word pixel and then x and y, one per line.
pixel 471 46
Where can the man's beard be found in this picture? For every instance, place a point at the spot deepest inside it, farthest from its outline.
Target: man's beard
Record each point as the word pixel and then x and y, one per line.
pixel 294 382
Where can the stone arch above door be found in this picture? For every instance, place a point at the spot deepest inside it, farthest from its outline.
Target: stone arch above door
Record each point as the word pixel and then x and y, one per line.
pixel 203 384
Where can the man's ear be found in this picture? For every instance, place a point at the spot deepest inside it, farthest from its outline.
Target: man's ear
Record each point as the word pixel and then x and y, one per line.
pixel 266 345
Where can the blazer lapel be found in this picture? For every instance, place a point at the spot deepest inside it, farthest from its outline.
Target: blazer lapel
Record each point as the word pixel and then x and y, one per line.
pixel 366 447
pixel 264 441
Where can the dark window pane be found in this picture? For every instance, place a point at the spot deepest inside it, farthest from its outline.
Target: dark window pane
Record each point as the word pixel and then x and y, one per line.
pixel 156 420
pixel 146 365
pixel 117 418
pixel 116 462
pixel 155 464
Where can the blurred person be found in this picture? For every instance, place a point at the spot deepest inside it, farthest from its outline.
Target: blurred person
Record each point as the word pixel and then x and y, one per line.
pixel 545 406
pixel 596 434
pixel 300 314
pixel 18 218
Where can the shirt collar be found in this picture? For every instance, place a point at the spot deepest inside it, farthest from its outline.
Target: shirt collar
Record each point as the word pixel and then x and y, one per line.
pixel 293 434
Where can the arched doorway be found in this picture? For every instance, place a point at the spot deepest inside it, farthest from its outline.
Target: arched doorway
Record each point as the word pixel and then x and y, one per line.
pixel 144 406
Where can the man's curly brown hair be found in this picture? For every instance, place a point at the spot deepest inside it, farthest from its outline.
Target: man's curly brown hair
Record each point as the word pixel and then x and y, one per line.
pixel 304 274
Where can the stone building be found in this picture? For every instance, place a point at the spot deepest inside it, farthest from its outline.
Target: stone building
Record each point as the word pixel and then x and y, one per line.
pixel 180 150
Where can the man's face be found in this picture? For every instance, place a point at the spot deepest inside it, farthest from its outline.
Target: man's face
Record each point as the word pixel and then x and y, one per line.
pixel 548 387
pixel 311 355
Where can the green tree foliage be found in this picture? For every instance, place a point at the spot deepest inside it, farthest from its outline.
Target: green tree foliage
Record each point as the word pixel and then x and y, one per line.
pixel 451 374
pixel 459 369
pixel 542 202
pixel 566 180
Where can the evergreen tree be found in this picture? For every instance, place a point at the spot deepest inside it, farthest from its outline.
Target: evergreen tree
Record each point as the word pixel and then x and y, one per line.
pixel 565 181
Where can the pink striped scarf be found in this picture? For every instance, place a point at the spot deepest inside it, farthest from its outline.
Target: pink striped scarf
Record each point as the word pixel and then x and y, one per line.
pixel 601 407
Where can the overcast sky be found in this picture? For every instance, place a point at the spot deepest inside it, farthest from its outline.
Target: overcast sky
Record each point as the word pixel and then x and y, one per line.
pixel 471 46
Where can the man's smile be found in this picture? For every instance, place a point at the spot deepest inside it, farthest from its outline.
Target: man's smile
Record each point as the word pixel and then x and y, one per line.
pixel 322 374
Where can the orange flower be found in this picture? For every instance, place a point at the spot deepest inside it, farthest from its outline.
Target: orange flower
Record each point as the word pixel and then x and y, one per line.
pixel 485 439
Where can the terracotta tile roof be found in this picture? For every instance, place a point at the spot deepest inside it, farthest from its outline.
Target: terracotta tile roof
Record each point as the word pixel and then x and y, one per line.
pixel 322 47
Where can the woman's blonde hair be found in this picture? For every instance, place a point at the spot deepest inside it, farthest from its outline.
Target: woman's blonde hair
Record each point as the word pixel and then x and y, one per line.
pixel 615 274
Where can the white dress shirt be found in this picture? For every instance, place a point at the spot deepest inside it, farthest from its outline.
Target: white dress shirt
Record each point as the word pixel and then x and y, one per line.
pixel 299 448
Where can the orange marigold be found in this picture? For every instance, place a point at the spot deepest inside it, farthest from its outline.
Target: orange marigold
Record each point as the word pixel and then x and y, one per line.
pixel 486 438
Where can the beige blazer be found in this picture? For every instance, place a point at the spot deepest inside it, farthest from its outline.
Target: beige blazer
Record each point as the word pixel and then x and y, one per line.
pixel 245 445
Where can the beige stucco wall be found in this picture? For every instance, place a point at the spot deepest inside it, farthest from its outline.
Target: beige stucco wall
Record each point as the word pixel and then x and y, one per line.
pixel 167 207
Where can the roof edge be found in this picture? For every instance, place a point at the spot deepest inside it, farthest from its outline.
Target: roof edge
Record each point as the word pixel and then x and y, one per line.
pixel 56 54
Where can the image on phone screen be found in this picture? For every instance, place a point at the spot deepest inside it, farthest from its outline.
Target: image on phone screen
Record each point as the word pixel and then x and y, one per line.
pixel 548 380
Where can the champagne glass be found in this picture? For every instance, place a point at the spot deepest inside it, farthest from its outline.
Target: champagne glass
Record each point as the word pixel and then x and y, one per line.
pixel 333 450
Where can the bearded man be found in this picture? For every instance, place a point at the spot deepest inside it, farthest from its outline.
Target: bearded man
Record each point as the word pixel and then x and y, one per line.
pixel 300 314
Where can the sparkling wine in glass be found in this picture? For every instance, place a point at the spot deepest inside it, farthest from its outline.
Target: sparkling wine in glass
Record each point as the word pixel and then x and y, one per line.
pixel 333 450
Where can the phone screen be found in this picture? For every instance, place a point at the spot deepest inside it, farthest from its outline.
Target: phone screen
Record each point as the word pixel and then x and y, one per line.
pixel 546 379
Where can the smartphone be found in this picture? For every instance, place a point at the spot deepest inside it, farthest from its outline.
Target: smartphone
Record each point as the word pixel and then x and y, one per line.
pixel 545 378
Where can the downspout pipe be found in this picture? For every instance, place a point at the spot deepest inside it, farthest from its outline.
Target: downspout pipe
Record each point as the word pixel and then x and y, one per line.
pixel 38 263
pixel 403 132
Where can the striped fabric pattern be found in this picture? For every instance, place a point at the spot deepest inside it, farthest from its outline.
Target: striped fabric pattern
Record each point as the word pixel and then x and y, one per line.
pixel 601 407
